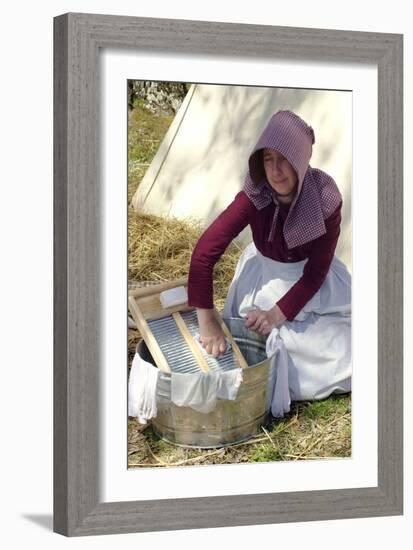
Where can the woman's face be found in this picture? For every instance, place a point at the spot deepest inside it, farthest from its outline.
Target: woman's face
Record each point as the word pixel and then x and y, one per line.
pixel 280 175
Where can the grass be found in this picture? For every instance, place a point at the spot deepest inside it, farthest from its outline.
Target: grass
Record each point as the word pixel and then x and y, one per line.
pixel 145 132
pixel 311 431
pixel 159 249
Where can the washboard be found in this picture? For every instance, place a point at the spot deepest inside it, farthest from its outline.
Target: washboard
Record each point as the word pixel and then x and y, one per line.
pixel 169 333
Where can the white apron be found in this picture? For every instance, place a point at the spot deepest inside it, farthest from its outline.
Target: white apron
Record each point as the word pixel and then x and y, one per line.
pixel 318 340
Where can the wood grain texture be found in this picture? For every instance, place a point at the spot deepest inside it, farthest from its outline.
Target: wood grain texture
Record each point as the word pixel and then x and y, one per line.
pixel 78 39
pixel 157 289
pixel 148 336
pixel 152 308
pixel 77 249
pixel 390 273
pixel 239 358
pixel 190 342
pixel 60 245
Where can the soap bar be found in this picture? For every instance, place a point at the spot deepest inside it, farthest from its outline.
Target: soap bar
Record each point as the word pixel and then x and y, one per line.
pixel 173 296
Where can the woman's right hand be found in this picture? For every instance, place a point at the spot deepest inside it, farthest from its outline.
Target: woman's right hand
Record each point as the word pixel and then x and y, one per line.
pixel 211 335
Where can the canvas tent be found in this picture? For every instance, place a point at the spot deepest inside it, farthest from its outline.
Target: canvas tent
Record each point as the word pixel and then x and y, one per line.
pixel 202 161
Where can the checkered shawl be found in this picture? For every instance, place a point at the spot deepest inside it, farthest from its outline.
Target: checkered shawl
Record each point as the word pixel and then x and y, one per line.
pixel 317 194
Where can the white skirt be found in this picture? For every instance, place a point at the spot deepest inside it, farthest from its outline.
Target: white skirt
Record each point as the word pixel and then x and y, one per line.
pixel 318 340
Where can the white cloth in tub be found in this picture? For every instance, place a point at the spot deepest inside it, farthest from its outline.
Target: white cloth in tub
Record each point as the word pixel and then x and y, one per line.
pixel 200 391
pixel 143 378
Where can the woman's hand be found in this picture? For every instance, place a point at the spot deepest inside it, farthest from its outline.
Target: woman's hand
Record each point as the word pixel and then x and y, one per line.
pixel 264 321
pixel 211 335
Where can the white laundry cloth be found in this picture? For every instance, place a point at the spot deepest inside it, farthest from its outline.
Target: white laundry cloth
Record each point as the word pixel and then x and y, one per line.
pixel 200 391
pixel 143 378
pixel 318 340
pixel 280 394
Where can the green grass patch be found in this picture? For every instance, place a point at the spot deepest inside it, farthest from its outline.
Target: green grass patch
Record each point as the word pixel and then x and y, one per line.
pixel 265 453
pixel 324 408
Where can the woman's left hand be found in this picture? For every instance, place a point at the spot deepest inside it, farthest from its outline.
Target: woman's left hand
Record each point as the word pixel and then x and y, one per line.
pixel 264 321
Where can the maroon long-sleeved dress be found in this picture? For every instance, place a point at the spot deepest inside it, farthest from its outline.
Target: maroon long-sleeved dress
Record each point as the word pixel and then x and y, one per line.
pixel 242 212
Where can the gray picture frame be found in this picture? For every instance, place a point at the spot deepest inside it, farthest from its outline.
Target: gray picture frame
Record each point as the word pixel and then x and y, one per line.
pixel 78 38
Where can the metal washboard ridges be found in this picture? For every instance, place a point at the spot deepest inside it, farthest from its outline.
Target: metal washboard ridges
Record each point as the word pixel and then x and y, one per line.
pixel 170 333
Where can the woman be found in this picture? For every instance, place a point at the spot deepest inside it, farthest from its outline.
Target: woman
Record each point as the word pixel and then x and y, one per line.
pixel 288 281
